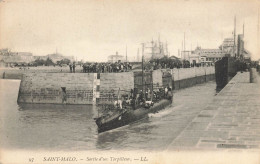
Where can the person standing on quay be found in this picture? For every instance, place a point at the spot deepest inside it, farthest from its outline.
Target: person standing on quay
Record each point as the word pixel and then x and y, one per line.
pixel 70 68
pixel 74 67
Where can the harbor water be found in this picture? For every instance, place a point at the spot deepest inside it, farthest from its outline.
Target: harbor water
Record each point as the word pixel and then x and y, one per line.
pixel 72 127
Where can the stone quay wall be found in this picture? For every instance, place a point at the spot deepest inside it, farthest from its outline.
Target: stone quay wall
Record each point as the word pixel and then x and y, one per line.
pixel 81 88
pixel 46 88
pixel 113 85
pixel 16 73
pixel 187 77
pixel 11 73
pixel 98 88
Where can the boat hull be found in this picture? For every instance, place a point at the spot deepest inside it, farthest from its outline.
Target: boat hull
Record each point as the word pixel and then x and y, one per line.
pixel 131 116
pixel 225 70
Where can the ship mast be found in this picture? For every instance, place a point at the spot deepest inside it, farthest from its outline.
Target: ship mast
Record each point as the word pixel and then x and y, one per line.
pixel 167 49
pixel 182 50
pixel 152 48
pixel 143 67
pixel 126 54
pixel 258 31
pixel 138 55
pixel 184 45
pixel 243 29
pixel 234 49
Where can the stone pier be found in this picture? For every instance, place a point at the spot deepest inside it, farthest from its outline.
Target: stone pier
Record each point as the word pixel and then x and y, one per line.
pixel 101 88
pixel 231 121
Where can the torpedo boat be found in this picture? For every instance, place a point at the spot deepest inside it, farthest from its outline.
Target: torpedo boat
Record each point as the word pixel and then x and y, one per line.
pixel 128 115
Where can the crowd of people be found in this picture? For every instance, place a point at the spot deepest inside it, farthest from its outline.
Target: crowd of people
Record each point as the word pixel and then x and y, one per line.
pixel 72 67
pixel 146 99
pixel 167 63
pixel 102 67
pixel 106 67
pixel 154 64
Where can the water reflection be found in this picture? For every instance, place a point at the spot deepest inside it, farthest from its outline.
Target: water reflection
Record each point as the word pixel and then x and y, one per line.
pixel 107 139
pixel 121 137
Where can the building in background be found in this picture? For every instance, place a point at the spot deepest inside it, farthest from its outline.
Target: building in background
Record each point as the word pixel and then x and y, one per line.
pixel 58 57
pixel 40 57
pixel 55 57
pixel 202 56
pixel 9 58
pixel 194 58
pixel 26 57
pixel 116 58
pixel 174 57
pixel 209 55
pixel 246 55
pixel 238 50
pixel 228 46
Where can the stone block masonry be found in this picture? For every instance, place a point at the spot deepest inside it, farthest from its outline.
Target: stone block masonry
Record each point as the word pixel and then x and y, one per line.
pixel 47 88
pixel 101 88
pixel 187 77
pixel 230 121
pixel 80 88
pixel 113 85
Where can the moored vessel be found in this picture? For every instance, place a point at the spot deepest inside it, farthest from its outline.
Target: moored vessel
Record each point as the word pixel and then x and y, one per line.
pixel 236 59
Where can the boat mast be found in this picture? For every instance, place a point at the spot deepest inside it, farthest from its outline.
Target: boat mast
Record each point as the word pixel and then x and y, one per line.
pixel 167 49
pixel 143 67
pixel 126 54
pixel 257 31
pixel 184 53
pixel 234 49
pixel 243 29
pixel 184 46
pixel 182 50
pixel 152 49
pixel 118 95
pixel 138 55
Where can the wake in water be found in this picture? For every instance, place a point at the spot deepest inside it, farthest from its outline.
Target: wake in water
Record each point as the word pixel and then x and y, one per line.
pixel 164 112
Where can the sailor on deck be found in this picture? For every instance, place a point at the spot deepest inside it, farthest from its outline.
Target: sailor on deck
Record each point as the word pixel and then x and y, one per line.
pixel 118 103
pixel 166 91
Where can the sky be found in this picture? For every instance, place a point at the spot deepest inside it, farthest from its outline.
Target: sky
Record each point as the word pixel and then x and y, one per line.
pixel 94 29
